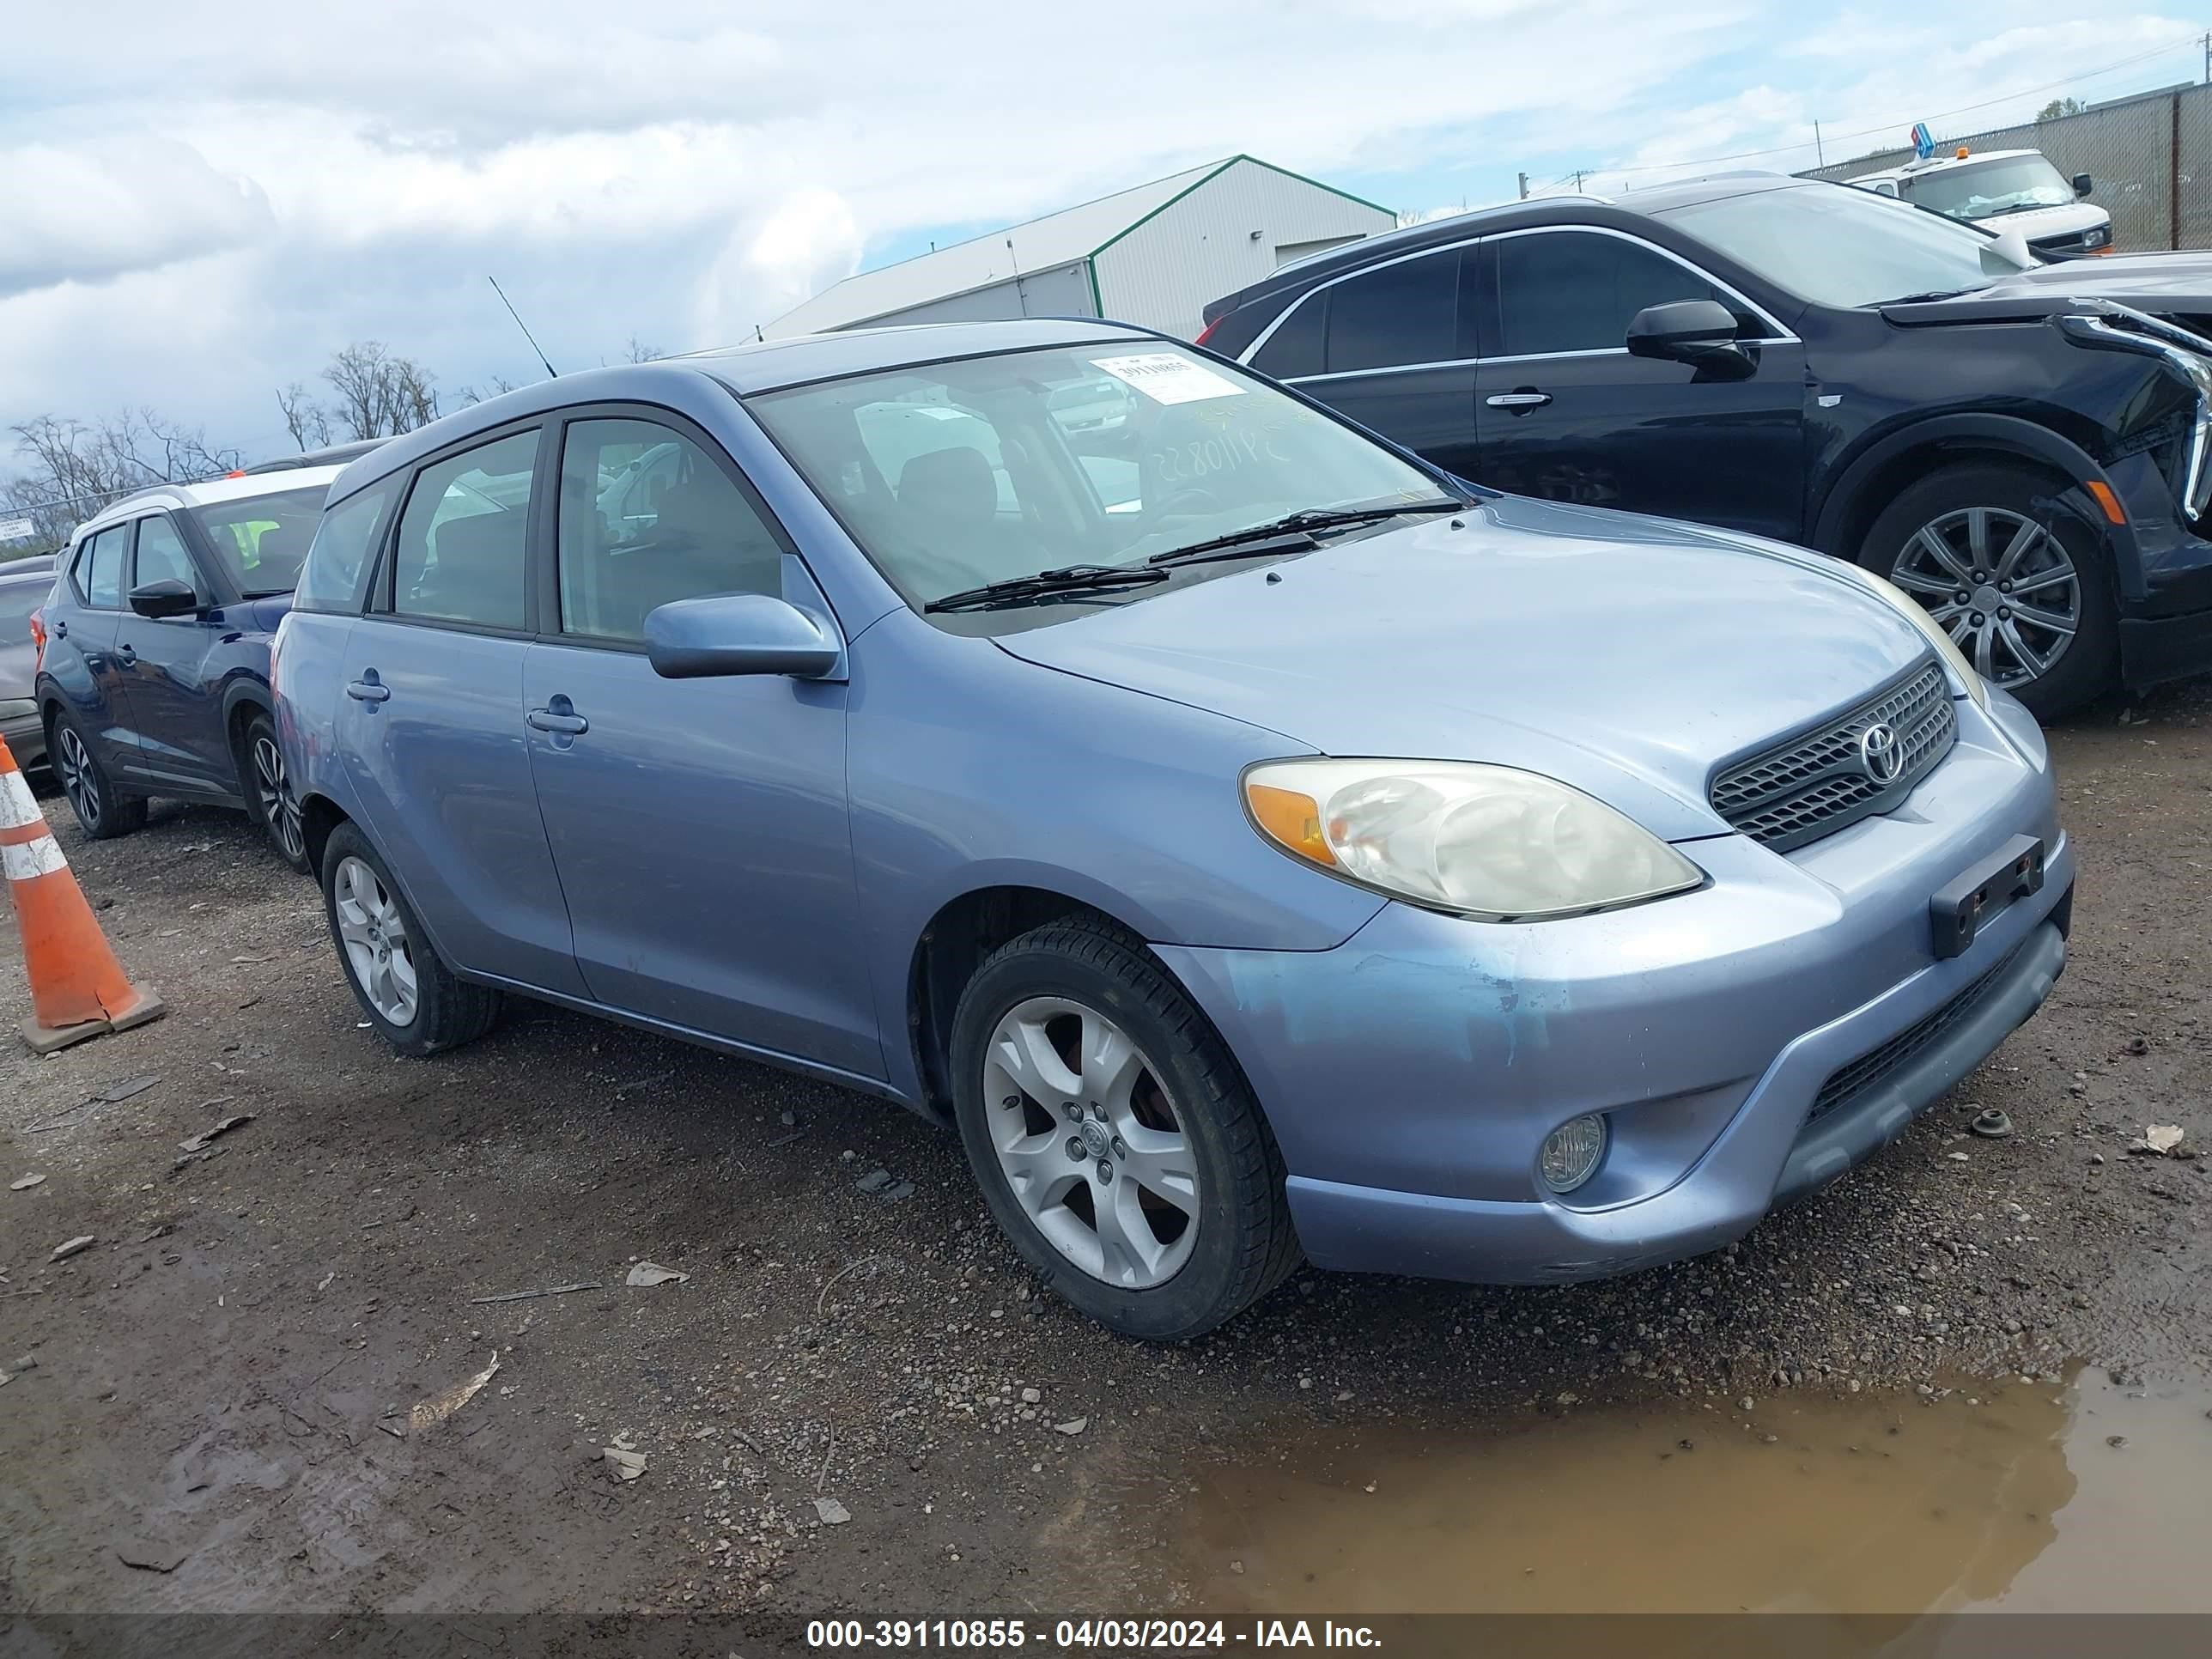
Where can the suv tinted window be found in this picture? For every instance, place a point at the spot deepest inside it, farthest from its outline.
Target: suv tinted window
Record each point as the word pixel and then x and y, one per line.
pixel 17 601
pixel 100 568
pixel 161 556
pixel 647 517
pixel 460 552
pixel 1407 313
pixel 1295 348
pixel 1575 291
pixel 331 579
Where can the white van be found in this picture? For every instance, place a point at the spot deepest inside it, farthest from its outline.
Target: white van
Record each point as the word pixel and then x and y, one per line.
pixel 2004 189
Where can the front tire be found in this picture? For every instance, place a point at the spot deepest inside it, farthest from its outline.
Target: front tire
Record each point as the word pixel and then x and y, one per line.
pixel 1114 1139
pixel 269 801
pixel 2025 588
pixel 418 1004
pixel 102 811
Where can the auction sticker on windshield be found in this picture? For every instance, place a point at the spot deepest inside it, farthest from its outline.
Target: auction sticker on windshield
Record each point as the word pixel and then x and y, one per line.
pixel 1166 378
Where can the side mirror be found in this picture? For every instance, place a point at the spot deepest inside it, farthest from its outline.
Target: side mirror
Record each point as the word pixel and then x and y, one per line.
pixel 2083 184
pixel 724 634
pixel 166 597
pixel 1700 333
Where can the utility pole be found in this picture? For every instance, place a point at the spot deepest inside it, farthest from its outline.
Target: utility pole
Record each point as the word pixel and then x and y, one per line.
pixel 2208 57
pixel 1524 186
pixel 1820 156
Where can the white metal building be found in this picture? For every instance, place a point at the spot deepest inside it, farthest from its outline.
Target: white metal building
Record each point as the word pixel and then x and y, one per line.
pixel 1154 254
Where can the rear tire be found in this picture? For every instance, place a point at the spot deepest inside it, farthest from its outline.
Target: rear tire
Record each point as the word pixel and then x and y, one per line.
pixel 418 1004
pixel 1179 1146
pixel 269 801
pixel 1925 542
pixel 102 811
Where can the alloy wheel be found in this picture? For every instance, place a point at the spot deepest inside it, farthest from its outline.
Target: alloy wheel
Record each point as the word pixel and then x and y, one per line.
pixel 78 781
pixel 279 811
pixel 1091 1144
pixel 374 936
pixel 2002 584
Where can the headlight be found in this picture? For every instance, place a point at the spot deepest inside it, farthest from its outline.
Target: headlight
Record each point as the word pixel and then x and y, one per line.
pixel 1917 613
pixel 1486 841
pixel 2096 236
pixel 15 709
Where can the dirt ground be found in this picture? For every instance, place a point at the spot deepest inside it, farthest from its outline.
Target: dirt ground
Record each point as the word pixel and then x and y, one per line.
pixel 241 1380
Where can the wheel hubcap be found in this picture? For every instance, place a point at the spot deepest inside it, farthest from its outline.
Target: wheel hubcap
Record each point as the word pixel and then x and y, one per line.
pixel 1090 1142
pixel 76 778
pixel 2003 586
pixel 375 939
pixel 279 811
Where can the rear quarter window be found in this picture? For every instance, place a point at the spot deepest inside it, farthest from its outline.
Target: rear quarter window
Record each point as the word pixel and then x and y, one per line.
pixel 331 578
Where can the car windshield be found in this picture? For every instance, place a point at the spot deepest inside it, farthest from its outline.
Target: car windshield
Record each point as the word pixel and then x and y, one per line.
pixel 262 540
pixel 951 475
pixel 1983 189
pixel 1838 246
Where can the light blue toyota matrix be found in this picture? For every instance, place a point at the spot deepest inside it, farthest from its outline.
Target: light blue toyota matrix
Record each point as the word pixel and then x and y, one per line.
pixel 1257 842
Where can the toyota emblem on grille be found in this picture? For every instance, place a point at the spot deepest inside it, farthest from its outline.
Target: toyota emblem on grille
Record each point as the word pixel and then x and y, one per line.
pixel 1880 753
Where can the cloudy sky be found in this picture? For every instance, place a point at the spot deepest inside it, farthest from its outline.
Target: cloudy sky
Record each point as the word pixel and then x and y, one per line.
pixel 198 203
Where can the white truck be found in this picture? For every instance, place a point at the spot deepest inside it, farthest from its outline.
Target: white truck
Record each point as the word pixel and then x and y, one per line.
pixel 2004 189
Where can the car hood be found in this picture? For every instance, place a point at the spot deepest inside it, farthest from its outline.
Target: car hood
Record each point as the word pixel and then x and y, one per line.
pixel 2164 284
pixel 1627 656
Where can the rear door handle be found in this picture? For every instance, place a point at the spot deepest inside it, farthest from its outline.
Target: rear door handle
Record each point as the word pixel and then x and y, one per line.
pixel 367 691
pixel 126 656
pixel 568 726
pixel 1519 400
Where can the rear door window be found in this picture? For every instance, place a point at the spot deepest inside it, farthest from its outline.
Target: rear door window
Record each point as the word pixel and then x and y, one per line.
pixel 101 568
pixel 1295 347
pixel 461 552
pixel 1568 290
pixel 1400 314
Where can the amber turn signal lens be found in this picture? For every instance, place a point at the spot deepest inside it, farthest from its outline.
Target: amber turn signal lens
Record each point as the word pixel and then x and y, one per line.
pixel 1290 819
pixel 2108 501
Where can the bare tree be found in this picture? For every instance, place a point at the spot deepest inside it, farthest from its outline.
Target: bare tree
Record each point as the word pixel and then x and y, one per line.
pixel 493 386
pixel 304 418
pixel 380 394
pixel 638 352
pixel 76 468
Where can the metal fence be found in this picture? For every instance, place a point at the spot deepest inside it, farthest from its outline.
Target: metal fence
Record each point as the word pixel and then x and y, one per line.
pixel 2149 156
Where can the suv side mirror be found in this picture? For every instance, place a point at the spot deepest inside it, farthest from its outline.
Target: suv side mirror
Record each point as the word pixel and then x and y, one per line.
pixel 2083 184
pixel 1700 333
pixel 166 597
pixel 724 634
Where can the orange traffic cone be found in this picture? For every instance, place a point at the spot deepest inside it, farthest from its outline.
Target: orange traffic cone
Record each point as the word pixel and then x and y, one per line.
pixel 78 989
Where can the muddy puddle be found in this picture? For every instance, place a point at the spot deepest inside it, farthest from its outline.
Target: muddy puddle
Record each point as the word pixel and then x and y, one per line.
pixel 2083 1496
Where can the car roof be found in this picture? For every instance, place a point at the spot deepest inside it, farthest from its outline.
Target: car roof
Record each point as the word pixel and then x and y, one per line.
pixel 210 492
pixel 1622 211
pixel 746 370
pixel 29 564
pixel 333 455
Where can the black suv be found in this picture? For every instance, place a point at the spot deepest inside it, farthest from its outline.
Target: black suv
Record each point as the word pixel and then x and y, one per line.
pixel 2025 448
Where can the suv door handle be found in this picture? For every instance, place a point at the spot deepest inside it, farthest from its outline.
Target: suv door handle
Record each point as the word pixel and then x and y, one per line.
pixel 567 725
pixel 1519 400
pixel 368 689
pixel 125 655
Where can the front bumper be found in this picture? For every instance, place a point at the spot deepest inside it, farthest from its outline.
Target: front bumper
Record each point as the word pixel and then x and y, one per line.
pixel 1411 1074
pixel 26 736
pixel 2166 587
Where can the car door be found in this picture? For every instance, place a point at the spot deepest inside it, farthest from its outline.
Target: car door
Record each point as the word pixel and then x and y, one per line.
pixel 1568 414
pixel 699 825
pixel 81 634
pixel 432 721
pixel 1392 347
pixel 176 714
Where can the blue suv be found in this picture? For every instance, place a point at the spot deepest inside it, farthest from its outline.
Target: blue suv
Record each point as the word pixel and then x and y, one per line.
pixel 154 679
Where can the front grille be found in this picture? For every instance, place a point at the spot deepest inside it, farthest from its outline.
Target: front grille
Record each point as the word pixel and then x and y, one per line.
pixel 2071 241
pixel 1870 1069
pixel 1814 784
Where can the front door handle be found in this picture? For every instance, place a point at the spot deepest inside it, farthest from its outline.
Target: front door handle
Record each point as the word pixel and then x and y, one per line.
pixel 1519 401
pixel 561 718
pixel 368 689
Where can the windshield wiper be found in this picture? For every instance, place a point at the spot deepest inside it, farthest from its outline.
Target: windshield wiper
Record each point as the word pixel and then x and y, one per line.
pixel 1304 523
pixel 1048 584
pixel 1931 295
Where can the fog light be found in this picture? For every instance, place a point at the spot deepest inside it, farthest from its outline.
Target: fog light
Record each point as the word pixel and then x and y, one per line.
pixel 1571 1152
